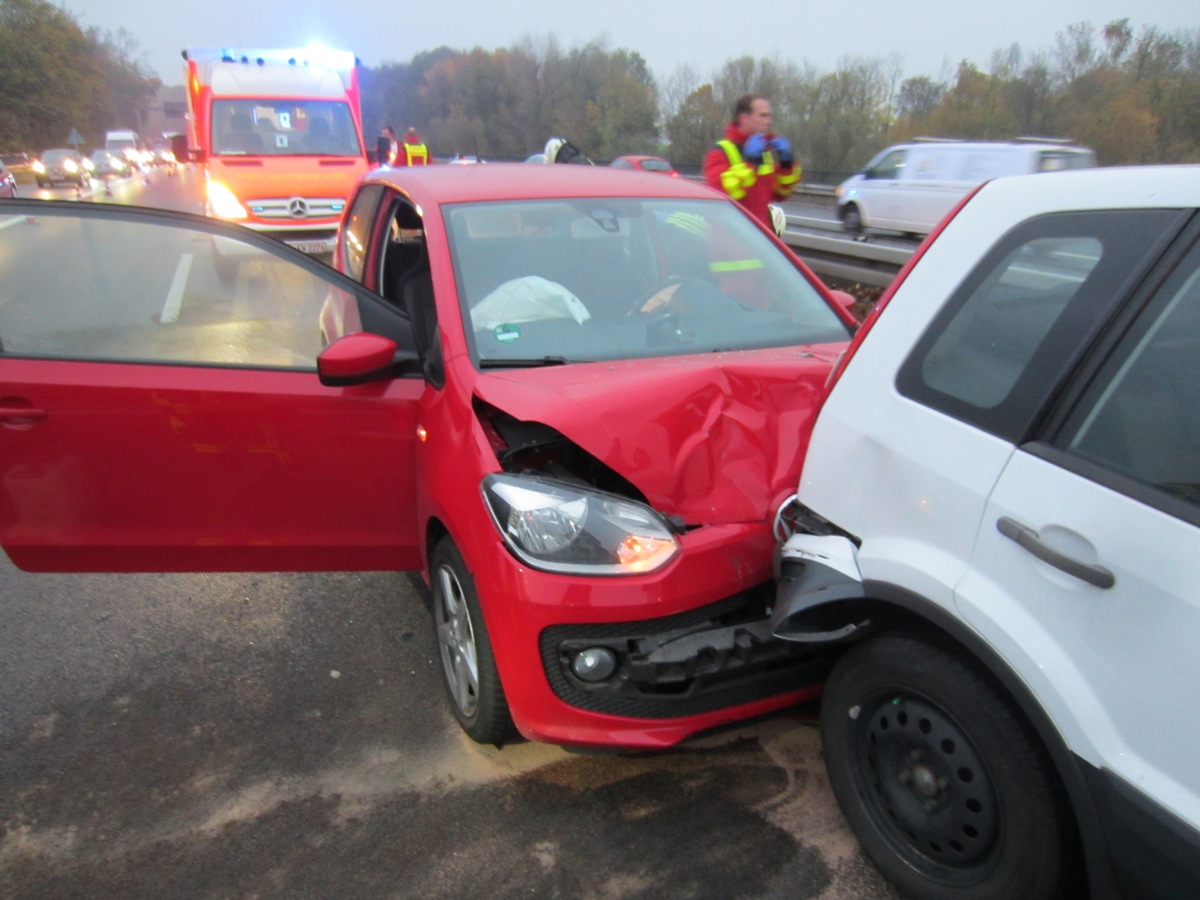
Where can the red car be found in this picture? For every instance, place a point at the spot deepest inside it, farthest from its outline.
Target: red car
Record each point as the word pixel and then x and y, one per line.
pixel 645 164
pixel 572 406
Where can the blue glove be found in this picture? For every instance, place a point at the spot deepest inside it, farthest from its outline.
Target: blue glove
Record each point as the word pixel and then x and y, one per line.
pixel 754 147
pixel 783 147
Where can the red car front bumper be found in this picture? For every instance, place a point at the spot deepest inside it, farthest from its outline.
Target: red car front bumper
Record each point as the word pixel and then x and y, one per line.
pixel 691 648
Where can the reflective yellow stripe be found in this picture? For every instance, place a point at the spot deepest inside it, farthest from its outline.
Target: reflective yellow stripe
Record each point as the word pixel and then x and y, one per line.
pixel 738 178
pixel 735 265
pixel 732 153
pixel 788 178
pixel 735 180
pixel 692 222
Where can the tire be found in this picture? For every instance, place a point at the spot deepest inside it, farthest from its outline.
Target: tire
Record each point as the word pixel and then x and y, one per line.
pixel 851 218
pixel 944 784
pixel 468 665
pixel 41 182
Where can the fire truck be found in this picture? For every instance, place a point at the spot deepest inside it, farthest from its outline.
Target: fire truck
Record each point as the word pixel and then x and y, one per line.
pixel 279 135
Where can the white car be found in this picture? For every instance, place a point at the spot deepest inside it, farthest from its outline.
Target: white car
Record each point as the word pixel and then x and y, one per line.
pixel 911 187
pixel 998 519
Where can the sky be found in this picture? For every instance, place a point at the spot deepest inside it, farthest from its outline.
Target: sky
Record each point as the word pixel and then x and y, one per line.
pixel 930 37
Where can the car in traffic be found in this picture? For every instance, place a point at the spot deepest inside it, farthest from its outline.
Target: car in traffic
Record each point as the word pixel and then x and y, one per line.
pixel 107 164
pixel 8 183
pixel 60 166
pixel 163 154
pixel 997 522
pixel 19 164
pixel 571 401
pixel 637 163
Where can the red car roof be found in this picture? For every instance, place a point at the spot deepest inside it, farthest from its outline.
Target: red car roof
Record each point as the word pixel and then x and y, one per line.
pixel 513 181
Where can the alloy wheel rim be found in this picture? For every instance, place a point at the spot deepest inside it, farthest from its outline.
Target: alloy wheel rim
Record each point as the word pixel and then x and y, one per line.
pixel 456 642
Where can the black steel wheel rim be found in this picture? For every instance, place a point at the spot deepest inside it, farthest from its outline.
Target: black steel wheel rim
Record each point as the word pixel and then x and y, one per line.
pixel 926 785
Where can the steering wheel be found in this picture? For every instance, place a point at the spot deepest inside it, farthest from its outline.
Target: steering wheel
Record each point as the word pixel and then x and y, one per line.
pixel 638 308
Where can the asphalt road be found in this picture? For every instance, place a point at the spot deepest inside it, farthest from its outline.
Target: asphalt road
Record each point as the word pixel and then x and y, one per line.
pixel 181 190
pixel 285 735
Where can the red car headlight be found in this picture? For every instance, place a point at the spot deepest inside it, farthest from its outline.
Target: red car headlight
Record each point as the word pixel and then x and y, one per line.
pixel 560 527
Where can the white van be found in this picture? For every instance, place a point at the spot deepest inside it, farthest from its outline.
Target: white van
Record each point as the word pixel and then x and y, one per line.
pixel 911 187
pixel 129 146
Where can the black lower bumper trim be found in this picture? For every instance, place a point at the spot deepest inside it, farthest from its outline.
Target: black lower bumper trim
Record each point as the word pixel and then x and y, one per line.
pixel 706 659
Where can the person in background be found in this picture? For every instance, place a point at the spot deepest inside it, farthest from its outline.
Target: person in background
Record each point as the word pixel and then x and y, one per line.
pixel 752 164
pixel 386 147
pixel 415 153
pixel 560 151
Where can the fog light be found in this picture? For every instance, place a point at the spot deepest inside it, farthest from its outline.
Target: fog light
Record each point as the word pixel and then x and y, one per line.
pixel 594 664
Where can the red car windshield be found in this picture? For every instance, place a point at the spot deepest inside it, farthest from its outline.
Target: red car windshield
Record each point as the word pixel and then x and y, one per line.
pixel 569 280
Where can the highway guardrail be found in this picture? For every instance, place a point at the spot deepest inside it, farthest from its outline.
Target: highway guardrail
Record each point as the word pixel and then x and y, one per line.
pixel 833 255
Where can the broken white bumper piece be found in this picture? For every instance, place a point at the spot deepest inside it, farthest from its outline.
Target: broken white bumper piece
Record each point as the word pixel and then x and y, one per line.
pixel 816 585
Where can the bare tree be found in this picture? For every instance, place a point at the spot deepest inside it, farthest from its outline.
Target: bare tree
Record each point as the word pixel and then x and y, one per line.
pixel 674 92
pixel 1076 50
pixel 1118 37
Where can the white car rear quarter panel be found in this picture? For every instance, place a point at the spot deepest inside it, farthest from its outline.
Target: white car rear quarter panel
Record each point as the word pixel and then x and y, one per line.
pixel 869 468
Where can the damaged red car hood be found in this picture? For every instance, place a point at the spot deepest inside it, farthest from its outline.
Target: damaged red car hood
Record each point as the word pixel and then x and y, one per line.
pixel 713 439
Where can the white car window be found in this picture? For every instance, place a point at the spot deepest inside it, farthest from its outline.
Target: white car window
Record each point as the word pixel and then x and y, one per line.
pixel 1141 418
pixel 979 357
pixel 1025 314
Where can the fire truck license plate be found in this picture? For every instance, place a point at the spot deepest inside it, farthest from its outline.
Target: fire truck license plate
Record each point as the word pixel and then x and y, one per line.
pixel 315 247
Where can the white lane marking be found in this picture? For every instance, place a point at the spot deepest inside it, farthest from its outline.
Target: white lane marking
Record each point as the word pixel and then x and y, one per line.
pixel 15 220
pixel 170 311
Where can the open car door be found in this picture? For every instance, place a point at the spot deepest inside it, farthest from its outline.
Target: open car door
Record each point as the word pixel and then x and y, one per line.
pixel 161 409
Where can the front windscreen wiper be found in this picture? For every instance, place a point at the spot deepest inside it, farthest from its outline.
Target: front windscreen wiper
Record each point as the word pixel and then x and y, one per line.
pixel 522 363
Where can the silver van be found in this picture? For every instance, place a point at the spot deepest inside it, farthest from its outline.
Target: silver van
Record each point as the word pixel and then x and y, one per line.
pixel 911 187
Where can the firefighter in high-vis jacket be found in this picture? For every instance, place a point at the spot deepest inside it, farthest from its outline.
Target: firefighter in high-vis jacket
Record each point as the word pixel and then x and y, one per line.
pixel 413 151
pixel 752 164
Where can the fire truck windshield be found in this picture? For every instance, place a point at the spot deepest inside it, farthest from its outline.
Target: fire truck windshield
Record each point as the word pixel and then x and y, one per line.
pixel 283 127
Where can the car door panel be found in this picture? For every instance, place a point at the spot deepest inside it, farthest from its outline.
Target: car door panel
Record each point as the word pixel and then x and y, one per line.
pixel 1108 639
pixel 149 428
pixel 1112 678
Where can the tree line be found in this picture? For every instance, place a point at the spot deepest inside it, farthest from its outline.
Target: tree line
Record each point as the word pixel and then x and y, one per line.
pixel 56 76
pixel 1134 97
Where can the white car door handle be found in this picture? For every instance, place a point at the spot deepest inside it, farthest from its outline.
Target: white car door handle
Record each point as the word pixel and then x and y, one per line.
pixel 1029 540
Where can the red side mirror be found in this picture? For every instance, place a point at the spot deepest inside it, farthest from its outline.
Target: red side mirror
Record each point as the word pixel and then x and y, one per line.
pixel 845 300
pixel 355 359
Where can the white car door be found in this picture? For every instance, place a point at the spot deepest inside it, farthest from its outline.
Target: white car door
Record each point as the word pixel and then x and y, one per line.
pixel 1084 575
